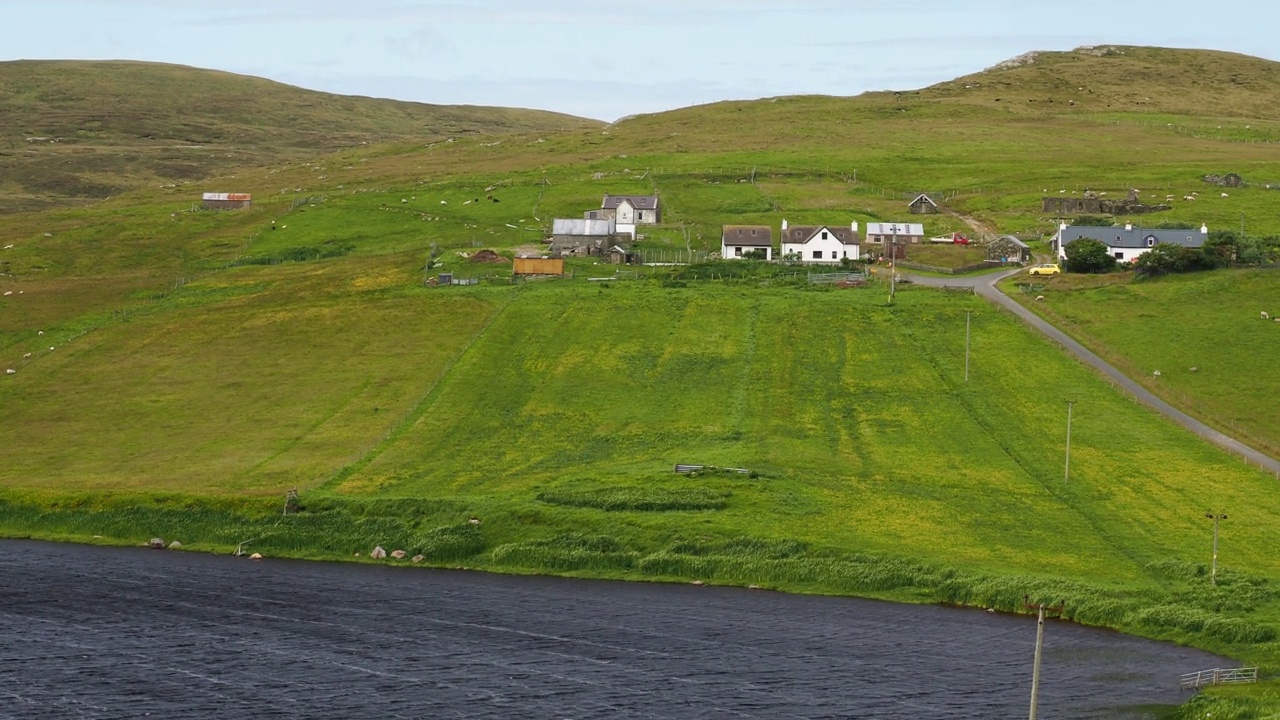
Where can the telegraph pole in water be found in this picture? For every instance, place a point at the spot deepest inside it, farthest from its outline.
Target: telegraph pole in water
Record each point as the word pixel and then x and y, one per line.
pixel 1035 667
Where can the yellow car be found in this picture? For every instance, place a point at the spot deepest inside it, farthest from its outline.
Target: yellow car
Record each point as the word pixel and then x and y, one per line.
pixel 1045 269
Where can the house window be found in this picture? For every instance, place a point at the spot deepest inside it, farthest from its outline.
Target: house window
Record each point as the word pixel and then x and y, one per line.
pixel 1151 241
pixel 824 234
pixel 737 251
pixel 817 254
pixel 1119 256
pixel 753 232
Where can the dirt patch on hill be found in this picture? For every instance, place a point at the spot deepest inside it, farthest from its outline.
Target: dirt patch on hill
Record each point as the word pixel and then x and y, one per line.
pixel 488 256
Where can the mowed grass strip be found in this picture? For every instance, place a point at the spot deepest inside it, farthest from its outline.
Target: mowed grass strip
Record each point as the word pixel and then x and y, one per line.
pixel 856 416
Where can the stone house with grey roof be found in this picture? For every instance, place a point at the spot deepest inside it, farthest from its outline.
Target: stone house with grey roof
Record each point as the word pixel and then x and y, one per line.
pixel 1128 242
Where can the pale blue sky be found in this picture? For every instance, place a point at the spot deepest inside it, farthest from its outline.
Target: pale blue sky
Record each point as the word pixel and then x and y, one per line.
pixel 607 60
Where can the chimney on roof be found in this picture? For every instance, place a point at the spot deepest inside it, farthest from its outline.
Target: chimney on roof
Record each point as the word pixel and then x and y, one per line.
pixel 1128 227
pixel 784 224
pixel 1204 229
pixel 854 227
pixel 1062 225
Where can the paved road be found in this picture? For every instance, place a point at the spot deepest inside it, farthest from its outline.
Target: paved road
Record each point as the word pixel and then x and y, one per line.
pixel 985 285
pixel 92 632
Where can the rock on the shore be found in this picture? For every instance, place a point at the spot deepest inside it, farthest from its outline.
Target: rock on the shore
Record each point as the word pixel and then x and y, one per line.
pixel 156 544
pixel 175 545
pixel 398 554
pixel 256 556
pixel 418 558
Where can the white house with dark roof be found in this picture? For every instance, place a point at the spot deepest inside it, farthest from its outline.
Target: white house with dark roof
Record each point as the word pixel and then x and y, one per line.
pixel 738 241
pixel 629 211
pixel 1127 243
pixel 822 244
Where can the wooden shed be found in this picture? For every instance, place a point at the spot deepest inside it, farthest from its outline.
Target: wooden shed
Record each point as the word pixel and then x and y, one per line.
pixel 538 266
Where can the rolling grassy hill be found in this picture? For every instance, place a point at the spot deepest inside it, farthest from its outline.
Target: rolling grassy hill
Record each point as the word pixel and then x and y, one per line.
pixel 176 373
pixel 80 130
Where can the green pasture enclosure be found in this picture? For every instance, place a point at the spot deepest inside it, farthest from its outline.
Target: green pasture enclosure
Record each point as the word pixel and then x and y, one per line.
pixel 1203 332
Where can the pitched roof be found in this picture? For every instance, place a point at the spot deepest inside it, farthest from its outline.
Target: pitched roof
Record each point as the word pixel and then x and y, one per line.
pixel 639 202
pixel 584 227
pixel 1015 241
pixel 1133 236
pixel 926 198
pixel 748 235
pixel 895 229
pixel 801 234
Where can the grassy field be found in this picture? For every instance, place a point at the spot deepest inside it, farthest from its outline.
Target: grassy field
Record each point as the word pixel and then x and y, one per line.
pixel 1203 333
pixel 176 371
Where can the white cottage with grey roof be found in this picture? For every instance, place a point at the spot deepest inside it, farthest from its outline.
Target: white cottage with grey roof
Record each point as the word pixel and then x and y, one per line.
pixel 1127 243
pixel 821 244
pixel 628 211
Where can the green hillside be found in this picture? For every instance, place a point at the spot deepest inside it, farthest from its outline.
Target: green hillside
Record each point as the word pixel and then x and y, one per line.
pixel 177 371
pixel 109 127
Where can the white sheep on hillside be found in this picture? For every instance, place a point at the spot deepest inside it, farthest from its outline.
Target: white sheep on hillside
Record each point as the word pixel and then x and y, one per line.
pixel 1226 195
pixel 1039 298
pixel 1266 315
pixel 1189 198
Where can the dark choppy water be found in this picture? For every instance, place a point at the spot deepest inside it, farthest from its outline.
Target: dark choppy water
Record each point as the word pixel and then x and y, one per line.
pixel 88 632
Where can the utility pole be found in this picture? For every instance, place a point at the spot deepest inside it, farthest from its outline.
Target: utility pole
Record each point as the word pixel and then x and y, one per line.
pixel 968 322
pixel 1215 517
pixel 893 262
pixel 1035 667
pixel 1066 469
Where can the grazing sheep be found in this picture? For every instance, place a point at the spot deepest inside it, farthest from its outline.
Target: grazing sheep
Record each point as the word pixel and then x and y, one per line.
pixel 27 355
pixel 10 371
pixel 1226 195
pixel 40 333
pixel 444 202
pixel 1195 369
pixel 1155 373
pixel 1266 315
pixel 1189 198
pixel 7 293
pixel 1039 298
